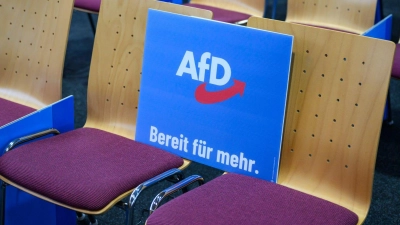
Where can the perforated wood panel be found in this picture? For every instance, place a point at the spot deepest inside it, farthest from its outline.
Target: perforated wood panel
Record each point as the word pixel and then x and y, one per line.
pixel 33 38
pixel 116 66
pixel 352 16
pixel 338 89
pixel 250 7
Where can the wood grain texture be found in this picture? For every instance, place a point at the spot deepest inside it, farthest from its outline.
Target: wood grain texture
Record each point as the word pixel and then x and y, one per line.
pixel 351 16
pixel 33 39
pixel 250 7
pixel 116 66
pixel 115 71
pixel 338 90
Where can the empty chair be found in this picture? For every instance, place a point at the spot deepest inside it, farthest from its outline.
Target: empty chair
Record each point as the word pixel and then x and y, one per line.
pixel 94 167
pixel 33 39
pixel 338 88
pixel 349 16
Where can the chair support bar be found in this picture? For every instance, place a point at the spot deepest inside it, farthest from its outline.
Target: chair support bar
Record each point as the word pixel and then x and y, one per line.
pixel 129 208
pixel 27 138
pixel 174 188
pixel 154 180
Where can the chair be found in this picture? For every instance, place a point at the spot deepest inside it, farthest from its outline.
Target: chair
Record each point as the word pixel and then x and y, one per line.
pixel 33 39
pixel 94 167
pixel 337 94
pixel 346 16
pixel 343 15
pixel 237 11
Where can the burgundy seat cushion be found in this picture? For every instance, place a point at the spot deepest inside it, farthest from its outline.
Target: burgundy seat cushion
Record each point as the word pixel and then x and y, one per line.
pixel 223 15
pixel 91 5
pixel 396 63
pixel 84 168
pixel 10 111
pixel 238 199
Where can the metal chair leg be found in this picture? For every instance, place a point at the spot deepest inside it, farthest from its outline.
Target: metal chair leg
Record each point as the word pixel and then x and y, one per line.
pixel 80 216
pixel 93 220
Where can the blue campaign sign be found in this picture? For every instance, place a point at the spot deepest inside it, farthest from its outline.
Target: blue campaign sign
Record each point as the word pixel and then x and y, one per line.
pixel 21 207
pixel 214 93
pixel 381 30
pixel 59 115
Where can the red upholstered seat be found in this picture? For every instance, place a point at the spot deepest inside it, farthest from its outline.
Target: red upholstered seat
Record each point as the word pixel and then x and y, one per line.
pixel 396 63
pixel 10 111
pixel 222 200
pixel 222 15
pixel 91 5
pixel 86 168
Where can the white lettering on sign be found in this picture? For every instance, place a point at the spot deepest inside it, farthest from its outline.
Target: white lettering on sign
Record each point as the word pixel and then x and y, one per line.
pixel 188 66
pixel 213 75
pixel 202 150
pixel 168 140
pixel 235 161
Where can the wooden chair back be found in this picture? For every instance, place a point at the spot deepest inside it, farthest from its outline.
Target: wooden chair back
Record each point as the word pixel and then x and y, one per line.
pixel 250 7
pixel 33 40
pixel 116 66
pixel 351 16
pixel 338 90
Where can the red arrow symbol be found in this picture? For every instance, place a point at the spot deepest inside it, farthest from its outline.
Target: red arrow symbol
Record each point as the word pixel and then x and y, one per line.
pixel 206 97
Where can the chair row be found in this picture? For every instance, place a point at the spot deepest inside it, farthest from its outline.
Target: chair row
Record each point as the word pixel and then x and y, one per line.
pixel 327 159
pixel 332 15
pixel 32 58
pixel 322 105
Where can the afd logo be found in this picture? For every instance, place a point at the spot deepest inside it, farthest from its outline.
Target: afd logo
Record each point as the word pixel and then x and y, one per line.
pixel 188 66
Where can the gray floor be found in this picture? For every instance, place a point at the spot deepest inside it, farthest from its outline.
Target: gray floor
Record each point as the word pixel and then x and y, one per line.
pixel 385 207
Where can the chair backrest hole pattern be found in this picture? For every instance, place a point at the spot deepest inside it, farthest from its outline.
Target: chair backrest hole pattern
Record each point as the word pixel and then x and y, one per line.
pixel 34 42
pixel 116 66
pixel 324 97
pixel 350 16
